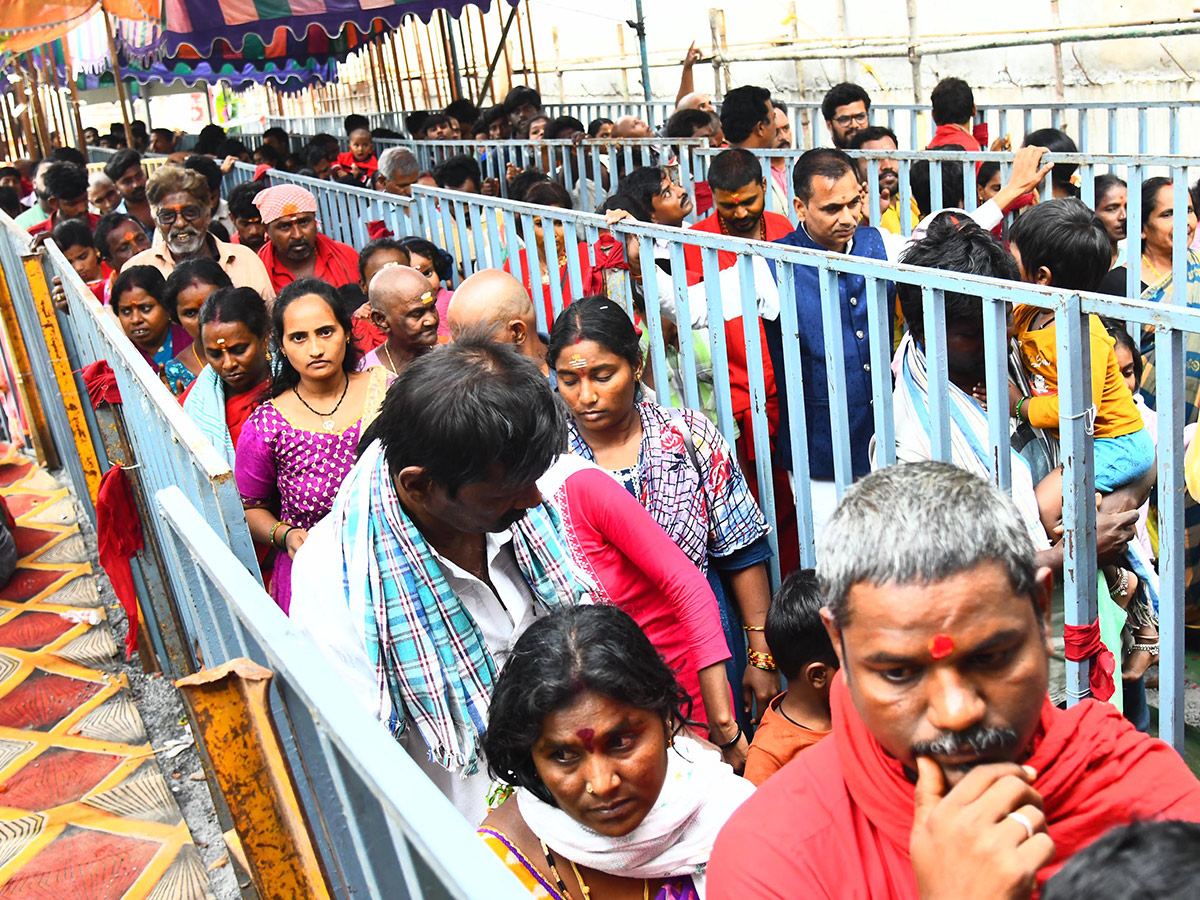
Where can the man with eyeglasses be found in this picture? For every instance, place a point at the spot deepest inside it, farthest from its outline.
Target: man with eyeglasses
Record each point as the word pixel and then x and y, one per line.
pixel 295 247
pixel 182 209
pixel 847 110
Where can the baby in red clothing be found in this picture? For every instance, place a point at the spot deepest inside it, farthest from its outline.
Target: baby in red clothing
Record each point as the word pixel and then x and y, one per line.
pixel 360 161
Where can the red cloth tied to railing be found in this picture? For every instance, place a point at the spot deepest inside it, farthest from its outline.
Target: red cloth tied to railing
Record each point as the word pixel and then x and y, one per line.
pixel 1083 643
pixel 119 534
pixel 101 383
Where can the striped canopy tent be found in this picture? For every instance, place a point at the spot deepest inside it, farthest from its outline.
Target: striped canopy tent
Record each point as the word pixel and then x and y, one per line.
pixel 288 63
pixel 287 76
pixel 199 24
pixel 25 24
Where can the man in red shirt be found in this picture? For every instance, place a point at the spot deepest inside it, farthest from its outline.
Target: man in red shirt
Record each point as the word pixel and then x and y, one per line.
pixel 953 108
pixel 739 194
pixel 294 247
pixel 949 773
pixel 67 187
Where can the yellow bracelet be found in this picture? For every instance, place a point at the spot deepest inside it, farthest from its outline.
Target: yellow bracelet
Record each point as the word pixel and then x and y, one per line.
pixel 754 628
pixel 271 536
pixel 764 661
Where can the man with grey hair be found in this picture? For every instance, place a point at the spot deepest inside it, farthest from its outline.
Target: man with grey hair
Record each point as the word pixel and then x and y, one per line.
pixel 398 171
pixel 181 203
pixel 950 774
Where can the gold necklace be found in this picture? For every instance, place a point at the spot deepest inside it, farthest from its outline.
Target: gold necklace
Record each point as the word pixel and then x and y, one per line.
pixel 388 354
pixel 196 354
pixel 1153 268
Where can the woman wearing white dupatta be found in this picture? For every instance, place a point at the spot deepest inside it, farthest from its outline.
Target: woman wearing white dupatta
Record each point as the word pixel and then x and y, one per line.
pixel 612 793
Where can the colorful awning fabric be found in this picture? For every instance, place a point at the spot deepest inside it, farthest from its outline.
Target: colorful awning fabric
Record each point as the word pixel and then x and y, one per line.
pixel 200 23
pixel 24 24
pixel 286 76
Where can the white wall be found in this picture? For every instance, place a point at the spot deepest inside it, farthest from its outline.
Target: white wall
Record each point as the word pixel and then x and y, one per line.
pixel 1138 69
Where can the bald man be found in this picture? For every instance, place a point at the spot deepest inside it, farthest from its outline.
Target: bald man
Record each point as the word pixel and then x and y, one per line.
pixel 695 100
pixel 631 127
pixel 402 306
pixel 494 303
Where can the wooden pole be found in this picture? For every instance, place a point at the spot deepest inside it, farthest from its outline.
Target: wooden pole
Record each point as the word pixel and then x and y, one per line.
pixel 537 78
pixel 487 58
pixel 412 88
pixel 63 113
pixel 81 144
pixel 368 61
pixel 437 79
pixel 381 68
pixel 25 121
pixel 39 116
pixel 521 44
pixel 506 46
pixel 392 38
pixel 54 116
pixel 116 70
pixel 425 96
pixel 466 38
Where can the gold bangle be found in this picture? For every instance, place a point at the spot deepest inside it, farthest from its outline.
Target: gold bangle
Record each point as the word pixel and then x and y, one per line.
pixel 764 661
pixel 754 628
pixel 271 536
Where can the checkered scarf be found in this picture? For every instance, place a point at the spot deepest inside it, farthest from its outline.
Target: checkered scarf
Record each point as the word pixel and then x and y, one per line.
pixel 429 655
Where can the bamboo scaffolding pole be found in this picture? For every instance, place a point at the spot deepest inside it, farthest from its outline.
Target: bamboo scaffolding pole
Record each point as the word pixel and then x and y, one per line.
pixel 368 70
pixel 537 78
pixel 412 88
pixel 521 44
pixel 14 128
pixel 437 79
pixel 35 100
pixel 116 70
pixel 74 92
pixel 466 37
pixel 58 124
pixel 487 56
pixel 396 63
pixel 426 97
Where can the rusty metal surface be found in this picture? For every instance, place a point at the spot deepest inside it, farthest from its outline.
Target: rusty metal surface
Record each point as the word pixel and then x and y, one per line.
pixel 229 707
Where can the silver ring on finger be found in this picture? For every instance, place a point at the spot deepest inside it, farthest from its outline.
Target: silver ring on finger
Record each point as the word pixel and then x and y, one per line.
pixel 1024 820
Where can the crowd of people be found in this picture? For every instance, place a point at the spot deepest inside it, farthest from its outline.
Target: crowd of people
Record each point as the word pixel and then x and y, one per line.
pixel 549 580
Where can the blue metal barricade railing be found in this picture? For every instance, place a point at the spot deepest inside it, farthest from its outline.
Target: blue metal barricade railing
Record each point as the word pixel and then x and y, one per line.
pixel 382 827
pixel 1095 126
pixel 672 296
pixel 167 445
pixel 1133 169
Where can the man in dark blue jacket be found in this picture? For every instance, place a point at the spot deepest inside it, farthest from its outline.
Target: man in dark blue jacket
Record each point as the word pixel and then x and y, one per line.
pixel 829 206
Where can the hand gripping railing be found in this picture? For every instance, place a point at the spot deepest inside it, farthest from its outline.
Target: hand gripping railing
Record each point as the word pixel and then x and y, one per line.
pixel 740 287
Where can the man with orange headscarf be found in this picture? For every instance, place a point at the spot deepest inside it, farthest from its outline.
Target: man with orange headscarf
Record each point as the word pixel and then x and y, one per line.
pixel 295 248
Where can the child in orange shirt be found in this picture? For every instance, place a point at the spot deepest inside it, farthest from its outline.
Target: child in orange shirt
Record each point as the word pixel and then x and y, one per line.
pixel 799 717
pixel 360 161
pixel 1060 243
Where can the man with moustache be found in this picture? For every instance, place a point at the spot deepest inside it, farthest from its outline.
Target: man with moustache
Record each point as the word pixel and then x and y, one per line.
pixel 880 137
pixel 950 774
pixel 295 248
pixel 402 307
pixel 847 109
pixel 438 553
pixel 127 173
pixel 182 208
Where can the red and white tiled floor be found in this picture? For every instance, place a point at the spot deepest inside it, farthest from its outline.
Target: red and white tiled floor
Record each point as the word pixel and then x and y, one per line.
pixel 85 813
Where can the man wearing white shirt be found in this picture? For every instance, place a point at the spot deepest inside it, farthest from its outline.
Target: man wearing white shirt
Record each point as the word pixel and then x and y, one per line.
pixel 439 553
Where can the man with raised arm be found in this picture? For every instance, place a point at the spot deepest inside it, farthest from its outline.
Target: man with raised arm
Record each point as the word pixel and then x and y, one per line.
pixel 949 774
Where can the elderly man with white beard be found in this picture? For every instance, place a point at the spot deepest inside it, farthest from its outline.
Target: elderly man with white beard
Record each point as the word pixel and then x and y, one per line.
pixel 181 204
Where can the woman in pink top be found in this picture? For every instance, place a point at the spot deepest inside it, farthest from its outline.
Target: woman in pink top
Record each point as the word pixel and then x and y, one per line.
pixel 635 565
